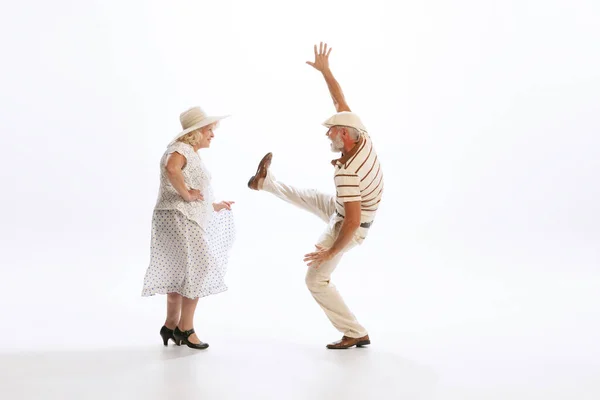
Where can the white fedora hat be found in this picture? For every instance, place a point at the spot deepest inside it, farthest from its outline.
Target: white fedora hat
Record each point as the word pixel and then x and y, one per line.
pixel 195 118
pixel 345 118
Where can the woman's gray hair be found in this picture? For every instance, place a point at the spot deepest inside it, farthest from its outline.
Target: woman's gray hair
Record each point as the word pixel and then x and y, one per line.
pixel 194 137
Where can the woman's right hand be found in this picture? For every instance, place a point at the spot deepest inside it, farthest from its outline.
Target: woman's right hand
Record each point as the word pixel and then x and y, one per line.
pixel 194 195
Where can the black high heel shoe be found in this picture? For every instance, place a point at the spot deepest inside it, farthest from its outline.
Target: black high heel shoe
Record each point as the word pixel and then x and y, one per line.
pixel 183 337
pixel 167 334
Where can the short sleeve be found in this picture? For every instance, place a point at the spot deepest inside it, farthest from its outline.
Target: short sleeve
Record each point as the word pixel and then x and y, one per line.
pixel 177 147
pixel 347 186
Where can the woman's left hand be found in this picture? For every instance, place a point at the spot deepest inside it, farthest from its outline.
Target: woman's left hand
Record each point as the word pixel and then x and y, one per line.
pixel 223 205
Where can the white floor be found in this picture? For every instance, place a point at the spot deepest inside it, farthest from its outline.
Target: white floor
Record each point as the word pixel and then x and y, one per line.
pixel 446 322
pixel 480 315
pixel 254 368
pixel 232 369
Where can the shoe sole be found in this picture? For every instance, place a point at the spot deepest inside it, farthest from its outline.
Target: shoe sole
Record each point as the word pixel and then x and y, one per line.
pixel 198 348
pixel 266 159
pixel 362 343
pixel 182 343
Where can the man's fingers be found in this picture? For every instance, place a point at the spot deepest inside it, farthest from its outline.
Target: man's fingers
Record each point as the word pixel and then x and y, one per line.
pixel 329 52
pixel 315 51
pixel 324 49
pixel 314 257
pixel 320 48
pixel 310 63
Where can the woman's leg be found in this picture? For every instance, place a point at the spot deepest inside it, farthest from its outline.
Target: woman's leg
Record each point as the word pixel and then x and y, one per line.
pixel 173 310
pixel 188 308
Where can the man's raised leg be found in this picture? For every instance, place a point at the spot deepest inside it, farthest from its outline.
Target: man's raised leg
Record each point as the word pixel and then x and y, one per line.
pixel 320 204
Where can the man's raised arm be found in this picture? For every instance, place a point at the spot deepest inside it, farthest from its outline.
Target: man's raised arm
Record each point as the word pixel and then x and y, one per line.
pixel 321 64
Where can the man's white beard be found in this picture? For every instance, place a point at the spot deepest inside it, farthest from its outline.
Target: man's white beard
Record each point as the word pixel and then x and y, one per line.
pixel 337 145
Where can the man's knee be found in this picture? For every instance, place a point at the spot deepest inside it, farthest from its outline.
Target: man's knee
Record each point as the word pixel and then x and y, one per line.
pixel 316 282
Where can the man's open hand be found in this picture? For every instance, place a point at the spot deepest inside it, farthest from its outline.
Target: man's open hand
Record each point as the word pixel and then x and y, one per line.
pixel 318 257
pixel 321 62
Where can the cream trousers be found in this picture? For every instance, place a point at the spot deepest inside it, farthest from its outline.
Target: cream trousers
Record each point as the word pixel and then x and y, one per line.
pixel 318 280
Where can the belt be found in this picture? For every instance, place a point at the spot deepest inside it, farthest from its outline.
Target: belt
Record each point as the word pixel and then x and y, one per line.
pixel 362 225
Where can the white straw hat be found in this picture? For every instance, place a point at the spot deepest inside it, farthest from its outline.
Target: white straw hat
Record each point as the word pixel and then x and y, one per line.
pixel 193 119
pixel 345 118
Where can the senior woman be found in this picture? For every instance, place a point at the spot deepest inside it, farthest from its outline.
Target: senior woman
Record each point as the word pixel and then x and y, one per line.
pixel 191 234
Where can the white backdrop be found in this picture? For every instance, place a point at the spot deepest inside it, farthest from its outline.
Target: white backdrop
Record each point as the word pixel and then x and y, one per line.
pixel 484 115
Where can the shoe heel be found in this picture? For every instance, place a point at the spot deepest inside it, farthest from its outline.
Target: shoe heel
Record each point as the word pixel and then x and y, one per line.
pixel 166 334
pixel 363 343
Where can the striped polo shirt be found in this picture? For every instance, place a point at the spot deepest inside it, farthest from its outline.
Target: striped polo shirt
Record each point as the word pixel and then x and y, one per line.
pixel 358 177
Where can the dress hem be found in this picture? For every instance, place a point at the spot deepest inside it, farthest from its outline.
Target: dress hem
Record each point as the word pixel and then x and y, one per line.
pixel 205 293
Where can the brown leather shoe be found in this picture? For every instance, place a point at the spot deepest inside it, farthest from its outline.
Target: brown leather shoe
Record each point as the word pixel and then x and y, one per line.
pixel 255 183
pixel 348 342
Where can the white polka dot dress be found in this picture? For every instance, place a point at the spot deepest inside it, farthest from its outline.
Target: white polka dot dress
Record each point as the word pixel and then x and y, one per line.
pixel 184 258
pixel 190 241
